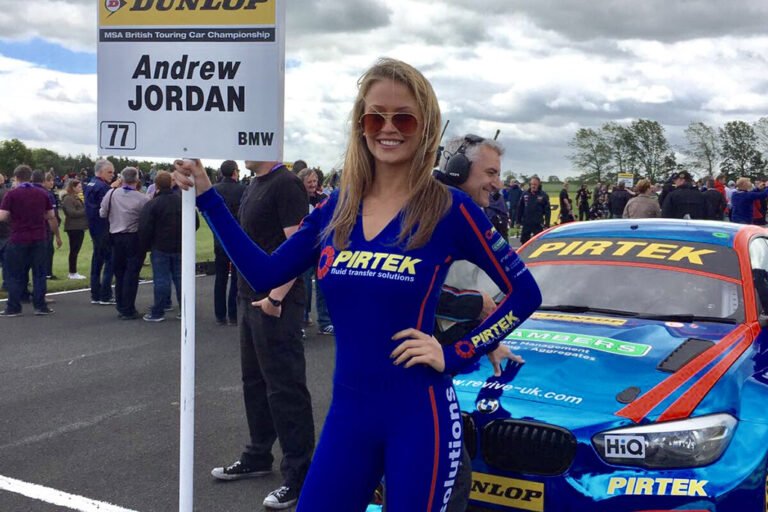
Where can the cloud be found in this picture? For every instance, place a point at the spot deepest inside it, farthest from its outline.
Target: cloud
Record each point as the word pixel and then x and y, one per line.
pixel 536 70
pixel 47 108
pixel 335 16
pixel 72 24
pixel 626 19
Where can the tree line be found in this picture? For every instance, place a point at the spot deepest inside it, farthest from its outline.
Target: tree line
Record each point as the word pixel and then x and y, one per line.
pixel 641 149
pixel 13 152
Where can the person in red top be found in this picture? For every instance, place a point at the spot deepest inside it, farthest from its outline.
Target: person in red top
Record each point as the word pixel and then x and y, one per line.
pixel 759 206
pixel 28 208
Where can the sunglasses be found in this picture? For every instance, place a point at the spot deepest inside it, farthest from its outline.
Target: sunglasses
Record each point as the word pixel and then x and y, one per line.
pixel 404 122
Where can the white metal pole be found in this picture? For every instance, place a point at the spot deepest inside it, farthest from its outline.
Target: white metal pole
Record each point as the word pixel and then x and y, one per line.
pixel 187 401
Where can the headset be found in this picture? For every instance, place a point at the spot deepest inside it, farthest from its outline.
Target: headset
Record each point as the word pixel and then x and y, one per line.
pixel 457 166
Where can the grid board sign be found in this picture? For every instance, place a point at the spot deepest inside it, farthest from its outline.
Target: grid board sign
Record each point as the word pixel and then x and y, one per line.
pixel 191 78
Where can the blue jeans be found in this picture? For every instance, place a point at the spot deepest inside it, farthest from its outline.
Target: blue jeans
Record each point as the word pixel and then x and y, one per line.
pixel 4 279
pixel 18 258
pixel 323 318
pixel 166 267
pixel 101 261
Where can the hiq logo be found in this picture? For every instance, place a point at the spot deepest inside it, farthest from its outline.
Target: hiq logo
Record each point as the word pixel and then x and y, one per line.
pixel 625 447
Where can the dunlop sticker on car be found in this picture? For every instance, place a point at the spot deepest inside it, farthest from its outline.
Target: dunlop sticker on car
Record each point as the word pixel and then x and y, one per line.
pixel 602 344
pixel 509 492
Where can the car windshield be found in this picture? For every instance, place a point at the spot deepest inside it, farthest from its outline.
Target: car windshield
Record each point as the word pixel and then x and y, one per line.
pixel 644 291
pixel 697 282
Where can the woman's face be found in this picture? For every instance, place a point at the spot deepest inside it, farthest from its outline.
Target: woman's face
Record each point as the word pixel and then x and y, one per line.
pixel 310 183
pixel 388 145
pixel 79 188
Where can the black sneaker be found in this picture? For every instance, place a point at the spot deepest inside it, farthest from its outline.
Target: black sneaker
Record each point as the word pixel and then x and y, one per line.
pixel 238 471
pixel 132 316
pixel 149 317
pixel 326 331
pixel 283 497
pixel 43 312
pixel 7 314
pixel 108 302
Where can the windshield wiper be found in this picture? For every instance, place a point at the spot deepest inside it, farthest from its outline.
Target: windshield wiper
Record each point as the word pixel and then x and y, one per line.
pixel 688 318
pixel 566 308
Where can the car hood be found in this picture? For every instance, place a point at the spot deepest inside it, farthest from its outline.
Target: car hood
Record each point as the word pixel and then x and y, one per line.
pixel 588 362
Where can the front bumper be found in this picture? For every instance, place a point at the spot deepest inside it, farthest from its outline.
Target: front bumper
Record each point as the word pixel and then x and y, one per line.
pixel 734 483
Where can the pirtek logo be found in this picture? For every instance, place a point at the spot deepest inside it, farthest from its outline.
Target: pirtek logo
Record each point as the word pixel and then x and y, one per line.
pixel 656 251
pixel 366 260
pixel 657 486
pixel 501 327
pixel 184 5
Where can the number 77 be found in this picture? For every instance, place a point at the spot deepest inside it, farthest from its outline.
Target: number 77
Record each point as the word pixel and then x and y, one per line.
pixel 115 128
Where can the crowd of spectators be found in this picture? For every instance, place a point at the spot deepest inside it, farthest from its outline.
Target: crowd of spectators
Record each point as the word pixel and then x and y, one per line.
pixel 86 202
pixel 710 198
pixel 133 219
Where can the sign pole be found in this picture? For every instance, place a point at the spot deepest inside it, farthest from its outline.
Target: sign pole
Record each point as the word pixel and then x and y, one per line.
pixel 187 399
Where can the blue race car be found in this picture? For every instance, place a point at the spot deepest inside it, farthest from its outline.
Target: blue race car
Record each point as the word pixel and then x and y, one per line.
pixel 645 382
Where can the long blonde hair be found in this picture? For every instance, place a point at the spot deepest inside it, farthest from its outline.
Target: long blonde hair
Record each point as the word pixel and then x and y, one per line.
pixel 429 200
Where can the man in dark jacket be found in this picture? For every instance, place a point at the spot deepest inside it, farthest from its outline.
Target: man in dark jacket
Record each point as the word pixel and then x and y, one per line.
pixel 534 211
pixel 582 202
pixel 618 200
pixel 225 305
pixel 101 260
pixel 716 200
pixel 512 195
pixel 160 232
pixel 685 201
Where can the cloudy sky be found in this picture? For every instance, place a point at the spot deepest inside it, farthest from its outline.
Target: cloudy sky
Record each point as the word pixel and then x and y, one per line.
pixel 535 69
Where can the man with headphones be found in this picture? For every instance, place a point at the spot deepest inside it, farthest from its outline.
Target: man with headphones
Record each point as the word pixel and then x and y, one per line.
pixel 473 165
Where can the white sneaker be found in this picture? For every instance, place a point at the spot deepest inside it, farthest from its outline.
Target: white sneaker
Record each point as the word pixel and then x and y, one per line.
pixel 76 276
pixel 283 497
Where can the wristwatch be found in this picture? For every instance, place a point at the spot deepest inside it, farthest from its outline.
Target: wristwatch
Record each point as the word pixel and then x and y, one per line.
pixel 274 302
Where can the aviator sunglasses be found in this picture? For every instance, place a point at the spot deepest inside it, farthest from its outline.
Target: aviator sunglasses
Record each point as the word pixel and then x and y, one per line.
pixel 404 122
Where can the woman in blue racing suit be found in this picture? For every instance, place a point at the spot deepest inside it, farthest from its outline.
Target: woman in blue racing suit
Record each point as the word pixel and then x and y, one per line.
pixel 382 245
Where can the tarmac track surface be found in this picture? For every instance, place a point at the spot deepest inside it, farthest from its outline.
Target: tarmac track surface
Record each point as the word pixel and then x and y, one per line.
pixel 89 407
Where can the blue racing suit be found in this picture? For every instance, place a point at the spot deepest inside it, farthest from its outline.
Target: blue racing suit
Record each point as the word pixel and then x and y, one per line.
pixel 404 423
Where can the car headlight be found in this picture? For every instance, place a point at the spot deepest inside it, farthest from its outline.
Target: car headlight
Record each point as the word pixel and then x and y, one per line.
pixel 674 444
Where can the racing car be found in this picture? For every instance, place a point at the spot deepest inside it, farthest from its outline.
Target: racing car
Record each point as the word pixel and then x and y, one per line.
pixel 645 381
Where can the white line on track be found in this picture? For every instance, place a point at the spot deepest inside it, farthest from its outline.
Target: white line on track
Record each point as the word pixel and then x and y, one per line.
pixel 54 497
pixel 73 427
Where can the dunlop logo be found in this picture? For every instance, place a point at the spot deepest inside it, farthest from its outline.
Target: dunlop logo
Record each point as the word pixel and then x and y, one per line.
pixel 188 12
